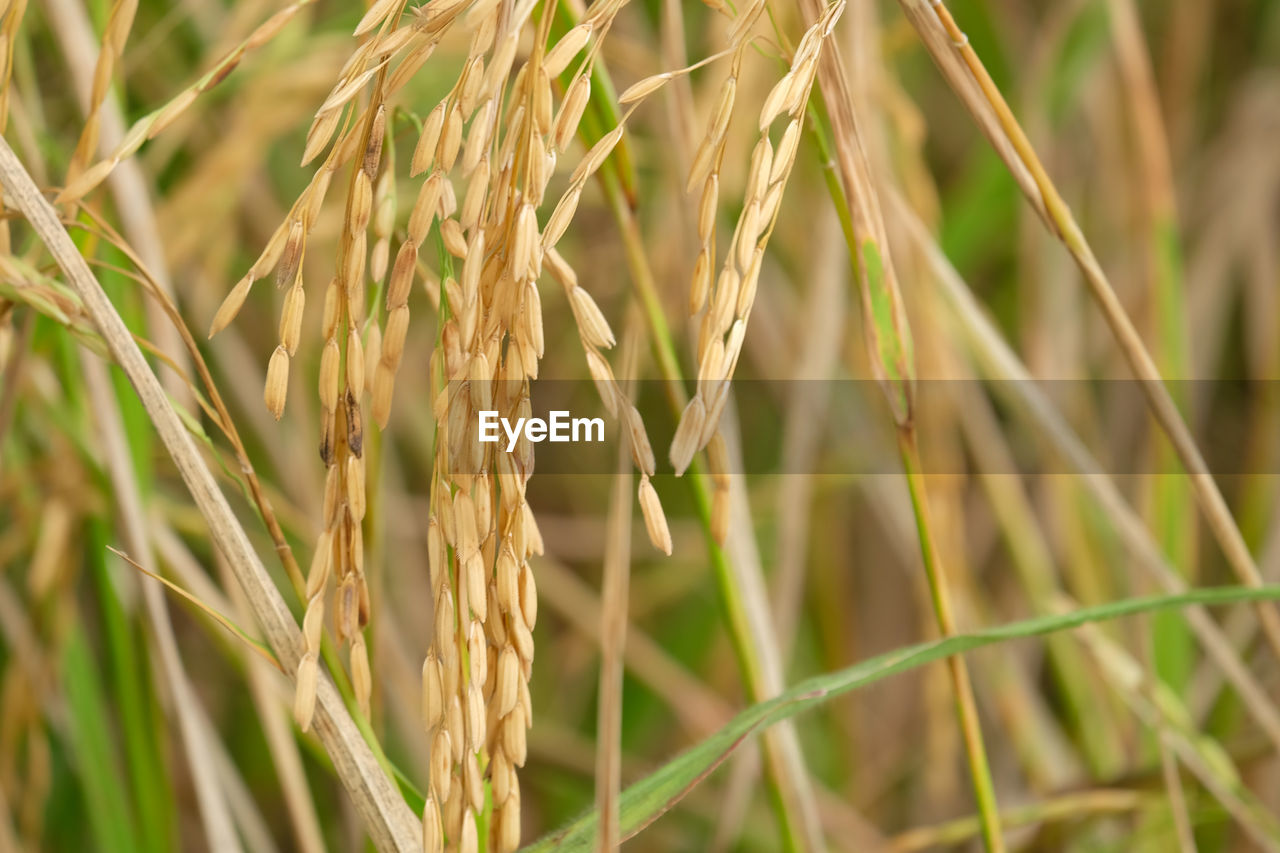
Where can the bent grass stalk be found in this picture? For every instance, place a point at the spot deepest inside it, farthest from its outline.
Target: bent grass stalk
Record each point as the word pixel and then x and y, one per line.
pixel 1064 807
pixel 1171 504
pixel 962 687
pixel 997 361
pixel 378 803
pixel 942 35
pixel 217 411
pixel 888 340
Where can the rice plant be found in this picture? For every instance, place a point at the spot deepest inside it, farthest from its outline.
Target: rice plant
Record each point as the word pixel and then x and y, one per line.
pixel 931 352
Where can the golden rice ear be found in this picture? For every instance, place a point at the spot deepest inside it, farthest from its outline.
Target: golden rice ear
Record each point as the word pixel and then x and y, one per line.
pixel 655 520
pixel 291 258
pixel 361 678
pixel 304 698
pixel 291 319
pixel 455 242
pixel 641 450
pixel 320 134
pixel 432 693
pixel 592 324
pixel 450 139
pixel 644 88
pixel 432 827
pixel 688 432
pixel 475 704
pixel 569 46
pixel 277 384
pixel 707 210
pixel 784 157
pixel 355 360
pixel 469 841
pixel 561 217
pixel 571 112
pixel 393 339
pixel 402 274
pixel 440 777
pixel 321 562
pixel 313 622
pixel 231 305
pixel 508 833
pixel 428 141
pixel 329 375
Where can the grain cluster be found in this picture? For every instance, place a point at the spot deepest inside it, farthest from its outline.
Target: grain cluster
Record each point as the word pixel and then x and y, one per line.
pixel 724 299
pixel 484 158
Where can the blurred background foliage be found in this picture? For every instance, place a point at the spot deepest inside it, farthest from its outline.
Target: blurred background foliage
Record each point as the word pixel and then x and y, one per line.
pixel 90 755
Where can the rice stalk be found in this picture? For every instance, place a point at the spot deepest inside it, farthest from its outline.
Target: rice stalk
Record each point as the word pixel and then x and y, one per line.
pixel 997 361
pixel 379 806
pixel 726 304
pixel 751 639
pixel 481 532
pixel 613 624
pixel 197 735
pixel 943 37
pixel 892 359
pixel 1172 504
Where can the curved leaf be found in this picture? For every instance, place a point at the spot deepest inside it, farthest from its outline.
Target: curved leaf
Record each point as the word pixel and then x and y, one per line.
pixel 646 800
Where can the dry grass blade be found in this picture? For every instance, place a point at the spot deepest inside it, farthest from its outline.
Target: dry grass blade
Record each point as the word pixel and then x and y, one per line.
pixel 942 49
pixel 999 362
pixel 1162 710
pixel 1065 807
pixel 781 744
pixel 128 184
pixel 116 32
pixel 613 638
pixel 386 818
pixel 943 36
pixel 197 735
pixel 892 358
pixel 728 302
pixel 83 181
pixel 202 603
pixel 819 347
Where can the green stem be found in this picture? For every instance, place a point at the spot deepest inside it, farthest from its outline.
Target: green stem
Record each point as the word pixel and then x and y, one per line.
pixel 731 597
pixel 966 707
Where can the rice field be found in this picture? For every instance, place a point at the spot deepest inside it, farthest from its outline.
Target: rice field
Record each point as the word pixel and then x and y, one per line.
pixel 927 496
